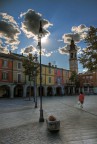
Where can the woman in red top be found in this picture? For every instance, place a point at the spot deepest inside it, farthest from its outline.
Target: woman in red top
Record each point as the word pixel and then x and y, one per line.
pixel 81 99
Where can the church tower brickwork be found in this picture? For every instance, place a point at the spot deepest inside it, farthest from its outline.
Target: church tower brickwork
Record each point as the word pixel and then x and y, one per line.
pixel 73 62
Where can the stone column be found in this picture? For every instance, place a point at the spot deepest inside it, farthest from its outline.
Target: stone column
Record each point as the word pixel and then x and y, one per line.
pixel 88 90
pixel 25 90
pixel 83 89
pixel 79 90
pixel 54 90
pixel 45 92
pixel 73 90
pixel 68 90
pixel 62 90
pixel 12 91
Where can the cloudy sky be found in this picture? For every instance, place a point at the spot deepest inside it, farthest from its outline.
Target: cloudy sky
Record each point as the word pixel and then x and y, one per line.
pixel 62 20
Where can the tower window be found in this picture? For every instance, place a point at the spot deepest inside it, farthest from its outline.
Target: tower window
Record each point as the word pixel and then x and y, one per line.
pixel 71 55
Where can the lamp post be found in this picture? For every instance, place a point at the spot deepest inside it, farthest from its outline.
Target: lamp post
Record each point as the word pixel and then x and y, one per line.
pixel 41 119
pixel 30 78
pixel 35 82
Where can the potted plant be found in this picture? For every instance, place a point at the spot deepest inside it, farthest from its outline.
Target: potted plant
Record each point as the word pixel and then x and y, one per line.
pixel 52 123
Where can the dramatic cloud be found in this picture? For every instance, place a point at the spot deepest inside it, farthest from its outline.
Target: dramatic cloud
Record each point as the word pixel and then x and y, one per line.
pixel 68 37
pixel 65 49
pixel 31 23
pixel 9 31
pixel 78 34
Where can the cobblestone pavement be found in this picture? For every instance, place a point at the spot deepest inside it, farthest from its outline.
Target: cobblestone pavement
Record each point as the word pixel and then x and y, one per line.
pixel 19 121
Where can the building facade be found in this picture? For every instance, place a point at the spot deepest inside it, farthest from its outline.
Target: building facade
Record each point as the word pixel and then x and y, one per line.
pixel 55 81
pixel 14 83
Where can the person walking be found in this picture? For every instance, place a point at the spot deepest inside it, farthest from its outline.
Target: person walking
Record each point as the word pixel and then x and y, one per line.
pixel 81 99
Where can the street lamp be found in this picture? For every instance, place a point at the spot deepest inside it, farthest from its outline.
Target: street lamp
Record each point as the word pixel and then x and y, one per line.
pixel 41 119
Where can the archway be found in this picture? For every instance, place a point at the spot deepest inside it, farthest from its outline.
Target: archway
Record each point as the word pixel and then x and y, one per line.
pixel 4 91
pixel 49 91
pixel 28 91
pixel 58 91
pixel 42 91
pixel 18 91
pixel 66 90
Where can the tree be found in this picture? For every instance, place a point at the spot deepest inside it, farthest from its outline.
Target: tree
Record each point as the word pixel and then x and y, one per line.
pixel 88 57
pixel 31 65
pixel 74 78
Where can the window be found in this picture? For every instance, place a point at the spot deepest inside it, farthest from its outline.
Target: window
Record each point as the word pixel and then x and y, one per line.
pixel 5 76
pixel 83 77
pixel 75 55
pixel 91 77
pixel 49 79
pixel 58 80
pixel 87 77
pixel 49 70
pixel 19 65
pixel 19 77
pixel 71 55
pixel 55 71
pixel 5 63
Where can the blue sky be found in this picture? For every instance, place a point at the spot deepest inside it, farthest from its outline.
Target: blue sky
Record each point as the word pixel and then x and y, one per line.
pixel 62 20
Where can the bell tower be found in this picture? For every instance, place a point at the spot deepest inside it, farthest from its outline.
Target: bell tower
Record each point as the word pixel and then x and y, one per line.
pixel 73 62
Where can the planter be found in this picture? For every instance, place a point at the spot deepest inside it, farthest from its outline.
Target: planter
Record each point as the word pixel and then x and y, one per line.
pixel 53 125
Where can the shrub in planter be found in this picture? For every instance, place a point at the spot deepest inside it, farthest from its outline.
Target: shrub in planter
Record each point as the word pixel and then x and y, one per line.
pixel 52 123
pixel 51 118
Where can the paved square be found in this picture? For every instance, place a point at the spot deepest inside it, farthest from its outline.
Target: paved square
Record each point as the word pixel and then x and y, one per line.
pixel 19 121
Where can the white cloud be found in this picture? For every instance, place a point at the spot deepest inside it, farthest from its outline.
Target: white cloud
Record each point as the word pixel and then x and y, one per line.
pixel 8 18
pixel 3 49
pixel 46 53
pixel 79 29
pixel 78 34
pixel 60 40
pixel 29 49
pixel 85 70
